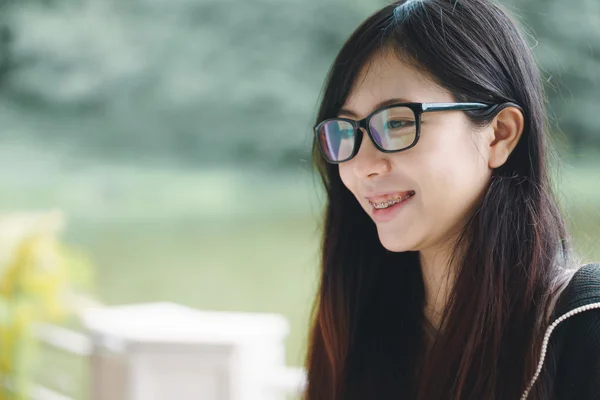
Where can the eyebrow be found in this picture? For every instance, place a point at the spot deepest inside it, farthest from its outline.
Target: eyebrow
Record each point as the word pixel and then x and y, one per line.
pixel 384 103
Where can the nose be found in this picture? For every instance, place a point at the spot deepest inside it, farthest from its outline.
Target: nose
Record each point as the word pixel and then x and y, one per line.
pixel 369 161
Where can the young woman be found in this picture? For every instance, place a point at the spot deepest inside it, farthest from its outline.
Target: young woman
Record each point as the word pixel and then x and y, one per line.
pixel 445 257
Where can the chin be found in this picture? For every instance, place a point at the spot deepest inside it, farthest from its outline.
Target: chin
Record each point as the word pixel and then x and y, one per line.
pixel 396 244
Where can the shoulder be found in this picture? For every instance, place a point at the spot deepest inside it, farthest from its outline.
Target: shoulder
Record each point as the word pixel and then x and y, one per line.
pixel 578 311
pixel 583 290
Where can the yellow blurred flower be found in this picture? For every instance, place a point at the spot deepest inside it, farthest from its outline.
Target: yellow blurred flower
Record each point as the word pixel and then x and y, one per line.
pixel 39 280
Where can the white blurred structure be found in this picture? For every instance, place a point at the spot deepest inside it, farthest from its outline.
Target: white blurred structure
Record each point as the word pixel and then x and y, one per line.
pixel 165 351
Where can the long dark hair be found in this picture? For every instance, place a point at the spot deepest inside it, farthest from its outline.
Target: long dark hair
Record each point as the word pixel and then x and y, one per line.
pixel 366 340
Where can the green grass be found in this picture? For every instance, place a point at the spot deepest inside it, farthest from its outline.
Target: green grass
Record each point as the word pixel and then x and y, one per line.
pixel 578 186
pixel 260 265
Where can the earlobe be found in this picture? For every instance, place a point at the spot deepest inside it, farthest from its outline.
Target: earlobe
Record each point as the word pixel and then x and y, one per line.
pixel 507 127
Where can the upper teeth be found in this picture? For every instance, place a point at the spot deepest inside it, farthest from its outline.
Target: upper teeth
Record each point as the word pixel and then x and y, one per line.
pixel 390 202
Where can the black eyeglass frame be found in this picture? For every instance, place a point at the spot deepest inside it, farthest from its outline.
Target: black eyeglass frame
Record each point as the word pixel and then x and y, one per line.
pixel 417 108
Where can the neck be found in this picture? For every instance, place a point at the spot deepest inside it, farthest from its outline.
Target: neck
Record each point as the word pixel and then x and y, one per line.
pixel 438 279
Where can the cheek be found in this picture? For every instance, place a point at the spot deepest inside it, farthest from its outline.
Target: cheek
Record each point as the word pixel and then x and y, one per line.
pixel 455 174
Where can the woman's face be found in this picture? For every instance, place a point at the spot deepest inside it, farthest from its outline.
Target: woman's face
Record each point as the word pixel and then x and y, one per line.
pixel 447 170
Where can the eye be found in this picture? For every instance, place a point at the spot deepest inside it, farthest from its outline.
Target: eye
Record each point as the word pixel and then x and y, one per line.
pixel 398 124
pixel 347 133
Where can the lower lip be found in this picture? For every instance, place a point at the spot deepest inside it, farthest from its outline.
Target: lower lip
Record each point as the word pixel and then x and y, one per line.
pixel 387 214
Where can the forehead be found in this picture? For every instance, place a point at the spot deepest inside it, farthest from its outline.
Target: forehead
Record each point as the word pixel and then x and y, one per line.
pixel 386 77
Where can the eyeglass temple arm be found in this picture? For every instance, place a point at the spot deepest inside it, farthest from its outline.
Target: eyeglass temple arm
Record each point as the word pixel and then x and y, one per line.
pixel 455 106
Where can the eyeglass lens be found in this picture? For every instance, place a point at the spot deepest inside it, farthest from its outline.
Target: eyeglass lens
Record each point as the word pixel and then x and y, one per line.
pixel 393 129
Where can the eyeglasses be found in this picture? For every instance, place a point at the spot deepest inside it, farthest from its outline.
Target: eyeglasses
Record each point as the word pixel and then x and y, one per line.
pixel 392 129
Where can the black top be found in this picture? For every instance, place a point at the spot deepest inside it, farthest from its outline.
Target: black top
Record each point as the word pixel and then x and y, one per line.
pixel 573 357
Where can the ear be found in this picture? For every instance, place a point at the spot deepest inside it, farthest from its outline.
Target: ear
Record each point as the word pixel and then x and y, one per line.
pixel 507 130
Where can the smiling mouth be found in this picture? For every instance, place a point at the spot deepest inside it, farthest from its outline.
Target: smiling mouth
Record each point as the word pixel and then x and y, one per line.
pixel 380 204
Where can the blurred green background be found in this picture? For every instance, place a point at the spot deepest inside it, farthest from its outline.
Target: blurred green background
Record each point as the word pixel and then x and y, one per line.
pixel 175 136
